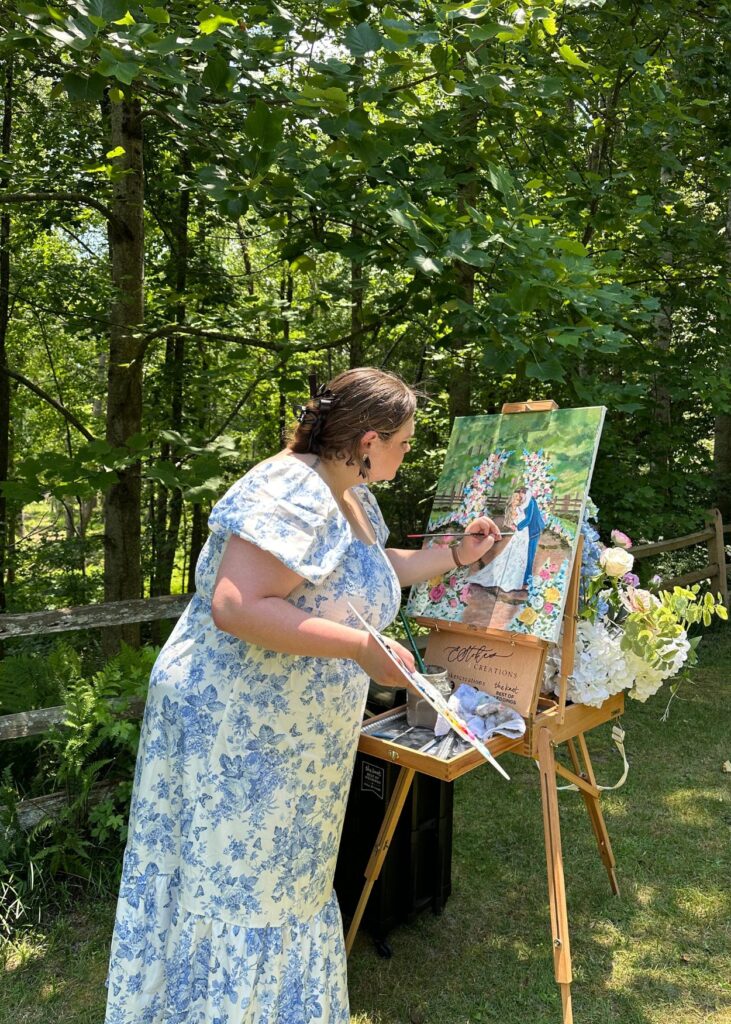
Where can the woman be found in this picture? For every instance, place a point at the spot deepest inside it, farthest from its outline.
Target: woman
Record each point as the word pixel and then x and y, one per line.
pixel 507 569
pixel 226 912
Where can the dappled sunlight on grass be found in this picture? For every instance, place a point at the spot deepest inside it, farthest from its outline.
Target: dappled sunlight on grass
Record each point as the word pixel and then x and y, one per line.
pixel 21 953
pixel 695 807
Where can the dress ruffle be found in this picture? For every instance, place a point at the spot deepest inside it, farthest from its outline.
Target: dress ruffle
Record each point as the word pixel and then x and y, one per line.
pixel 284 507
pixel 183 968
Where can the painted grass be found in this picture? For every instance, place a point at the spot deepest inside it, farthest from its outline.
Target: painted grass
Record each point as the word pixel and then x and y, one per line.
pixel 658 954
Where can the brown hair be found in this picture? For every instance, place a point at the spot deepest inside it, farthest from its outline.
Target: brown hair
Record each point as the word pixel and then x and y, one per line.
pixel 364 399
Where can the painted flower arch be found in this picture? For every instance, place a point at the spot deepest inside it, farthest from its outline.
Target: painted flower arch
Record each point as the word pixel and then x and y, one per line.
pixel 478 488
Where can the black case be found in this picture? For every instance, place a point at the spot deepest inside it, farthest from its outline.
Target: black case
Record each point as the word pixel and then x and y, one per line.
pixel 417 871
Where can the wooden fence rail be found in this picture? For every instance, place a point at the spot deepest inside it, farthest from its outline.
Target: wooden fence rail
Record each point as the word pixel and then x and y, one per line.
pixel 116 613
pixel 715 571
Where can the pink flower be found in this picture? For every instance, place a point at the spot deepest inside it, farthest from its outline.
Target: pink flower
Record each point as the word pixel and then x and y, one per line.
pixel 437 593
pixel 631 579
pixel 544 574
pixel 453 602
pixel 548 607
pixel 464 592
pixel 453 581
pixel 620 540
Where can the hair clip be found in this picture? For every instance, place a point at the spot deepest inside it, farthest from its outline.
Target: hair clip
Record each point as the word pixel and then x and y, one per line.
pixel 325 398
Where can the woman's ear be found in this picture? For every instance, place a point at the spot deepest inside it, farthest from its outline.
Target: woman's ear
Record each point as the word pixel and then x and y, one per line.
pixel 368 438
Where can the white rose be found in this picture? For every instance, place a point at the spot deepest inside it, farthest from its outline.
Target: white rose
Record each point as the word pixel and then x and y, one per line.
pixel 616 561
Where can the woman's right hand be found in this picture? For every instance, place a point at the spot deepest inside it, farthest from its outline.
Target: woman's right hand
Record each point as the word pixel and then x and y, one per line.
pixel 379 667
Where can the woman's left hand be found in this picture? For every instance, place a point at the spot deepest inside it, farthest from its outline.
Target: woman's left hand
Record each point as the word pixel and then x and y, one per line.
pixel 472 547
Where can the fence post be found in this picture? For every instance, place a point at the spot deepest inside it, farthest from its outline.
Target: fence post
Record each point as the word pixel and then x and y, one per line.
pixel 717 554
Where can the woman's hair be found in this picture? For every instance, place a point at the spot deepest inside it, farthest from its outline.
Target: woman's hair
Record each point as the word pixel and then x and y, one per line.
pixel 332 424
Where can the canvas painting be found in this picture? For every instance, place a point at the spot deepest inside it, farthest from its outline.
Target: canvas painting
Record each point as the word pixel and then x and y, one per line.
pixel 530 472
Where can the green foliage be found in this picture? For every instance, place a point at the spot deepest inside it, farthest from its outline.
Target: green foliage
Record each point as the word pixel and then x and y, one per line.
pixel 81 840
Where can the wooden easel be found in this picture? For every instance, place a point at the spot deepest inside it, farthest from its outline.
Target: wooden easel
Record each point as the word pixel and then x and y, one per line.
pixel 549 724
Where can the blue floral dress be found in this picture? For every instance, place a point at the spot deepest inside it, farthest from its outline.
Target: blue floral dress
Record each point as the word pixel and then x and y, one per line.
pixel 226 911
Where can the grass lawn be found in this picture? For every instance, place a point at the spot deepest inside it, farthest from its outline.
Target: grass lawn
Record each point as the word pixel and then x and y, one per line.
pixel 658 954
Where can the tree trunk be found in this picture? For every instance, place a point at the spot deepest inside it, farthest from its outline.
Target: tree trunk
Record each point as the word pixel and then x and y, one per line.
pixel 170 506
pixel 460 381
pixel 4 319
pixel 722 433
pixel 357 284
pixel 122 549
pixel 286 291
pixel 197 539
pixel 663 446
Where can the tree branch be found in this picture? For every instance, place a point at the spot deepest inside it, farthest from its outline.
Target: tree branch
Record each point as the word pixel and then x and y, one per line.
pixel 271 346
pixel 38 390
pixel 67 197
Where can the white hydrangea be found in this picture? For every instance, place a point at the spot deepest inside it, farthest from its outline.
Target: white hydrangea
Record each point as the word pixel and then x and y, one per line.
pixel 649 679
pixel 600 665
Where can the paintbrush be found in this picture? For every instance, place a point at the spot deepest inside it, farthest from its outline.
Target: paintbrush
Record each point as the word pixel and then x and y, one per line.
pixel 414 648
pixel 503 533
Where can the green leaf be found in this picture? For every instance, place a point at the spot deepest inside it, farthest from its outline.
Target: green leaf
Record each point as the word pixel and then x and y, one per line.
pixel 126 19
pixel 81 89
pixel 124 70
pixel 218 76
pixel 500 179
pixel 101 12
pixel 428 265
pixel 264 124
pixel 570 245
pixel 545 369
pixel 214 22
pixel 158 15
pixel 119 151
pixel 362 39
pixel 571 57
pixel 477 258
pixel 549 25
pixel 303 264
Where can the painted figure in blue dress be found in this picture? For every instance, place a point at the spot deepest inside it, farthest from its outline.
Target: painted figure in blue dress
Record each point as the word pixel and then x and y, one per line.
pixel 226 910
pixel 534 523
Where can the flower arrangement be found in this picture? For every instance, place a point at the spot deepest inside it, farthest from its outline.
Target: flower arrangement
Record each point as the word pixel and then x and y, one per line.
pixel 627 638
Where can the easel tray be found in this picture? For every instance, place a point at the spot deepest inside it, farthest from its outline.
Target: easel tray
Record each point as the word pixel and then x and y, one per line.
pixel 576 719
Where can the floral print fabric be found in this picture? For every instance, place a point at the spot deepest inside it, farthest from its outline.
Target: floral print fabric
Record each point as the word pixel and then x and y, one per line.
pixel 226 913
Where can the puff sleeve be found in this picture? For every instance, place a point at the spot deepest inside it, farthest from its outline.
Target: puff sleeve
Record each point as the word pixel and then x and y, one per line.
pixel 373 512
pixel 284 507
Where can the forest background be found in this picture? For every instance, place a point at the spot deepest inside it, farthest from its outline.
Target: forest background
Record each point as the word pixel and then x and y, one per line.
pixel 203 206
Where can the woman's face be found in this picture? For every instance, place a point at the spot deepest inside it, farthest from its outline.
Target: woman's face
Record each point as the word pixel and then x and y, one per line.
pixel 386 456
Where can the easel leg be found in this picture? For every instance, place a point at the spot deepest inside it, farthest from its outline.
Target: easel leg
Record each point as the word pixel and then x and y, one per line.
pixel 554 865
pixel 378 855
pixel 594 809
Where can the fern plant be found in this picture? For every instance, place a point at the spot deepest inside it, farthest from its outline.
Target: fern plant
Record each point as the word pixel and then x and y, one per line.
pixel 89 760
